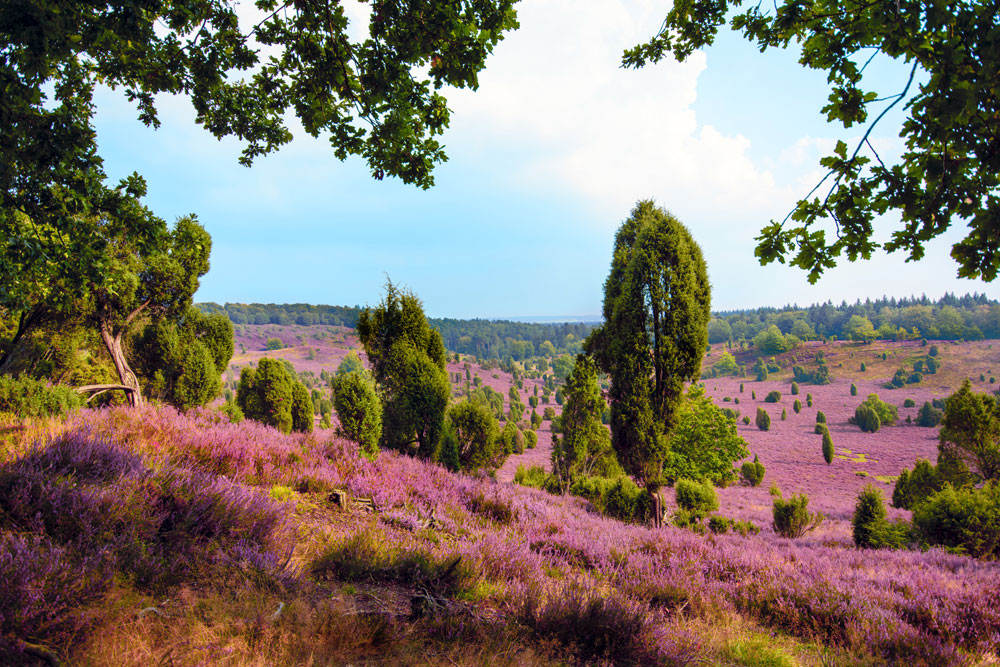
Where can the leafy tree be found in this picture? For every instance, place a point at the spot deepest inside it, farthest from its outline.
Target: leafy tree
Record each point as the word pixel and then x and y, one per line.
pixel 562 366
pixel 970 431
pixel 477 436
pixel 302 409
pixel 859 328
pixel 512 439
pixel 966 520
pixel 656 312
pixel 704 442
pixel 585 448
pixel 797 406
pixel 265 394
pixel 698 498
pixel 198 381
pixel 726 365
pixel 886 412
pixel 273 344
pixel 949 170
pixel 771 341
pixel 719 331
pixel 359 410
pixel 408 362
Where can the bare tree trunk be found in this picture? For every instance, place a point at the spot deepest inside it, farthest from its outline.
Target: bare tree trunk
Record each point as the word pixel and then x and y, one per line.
pixel 113 341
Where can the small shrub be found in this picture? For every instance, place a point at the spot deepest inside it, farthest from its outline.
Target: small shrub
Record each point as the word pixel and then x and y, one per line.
pixel 763 420
pixel 274 344
pixel 870 528
pixel 741 387
pixel 719 524
pixel 792 517
pixel 863 367
pixel 746 420
pixel 933 352
pixel 820 428
pixel 697 498
pixel 797 406
pixel 820 417
pixel 827 446
pixel 27 397
pixel 867 419
pixel 809 400
pixel 534 476
pixel 854 389
pixel 530 439
pixel 795 389
pixel 784 414
pixel 752 472
pixel 772 397
pixel 909 403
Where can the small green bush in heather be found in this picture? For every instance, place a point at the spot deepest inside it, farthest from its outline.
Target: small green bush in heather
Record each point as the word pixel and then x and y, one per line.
pixel 795 389
pixel 274 344
pixel 827 446
pixel 534 476
pixel 792 518
pixel 232 411
pixel 809 400
pixel 887 413
pixel 797 406
pixel 820 417
pixel 784 414
pixel 752 472
pixel 772 397
pixel 753 395
pixel 763 420
pixel 854 389
pixel 530 439
pixel 929 415
pixel 867 419
pixel 746 420
pixel 359 410
pixel 933 351
pixel 698 498
pixel 870 527
pixel 963 521
pixel 909 403
pixel 820 428
pixel 863 367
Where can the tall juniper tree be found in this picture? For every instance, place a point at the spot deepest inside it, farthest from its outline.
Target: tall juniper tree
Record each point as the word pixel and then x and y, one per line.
pixel 656 311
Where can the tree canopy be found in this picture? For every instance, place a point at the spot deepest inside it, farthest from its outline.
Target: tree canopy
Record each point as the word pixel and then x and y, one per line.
pixel 949 170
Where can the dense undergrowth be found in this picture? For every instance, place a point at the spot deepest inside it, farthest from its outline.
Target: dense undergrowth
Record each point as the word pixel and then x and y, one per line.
pixel 109 513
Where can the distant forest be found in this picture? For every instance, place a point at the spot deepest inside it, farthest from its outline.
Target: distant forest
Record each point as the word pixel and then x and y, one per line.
pixel 972 317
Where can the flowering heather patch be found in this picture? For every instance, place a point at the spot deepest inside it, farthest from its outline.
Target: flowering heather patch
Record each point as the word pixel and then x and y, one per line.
pixel 542 562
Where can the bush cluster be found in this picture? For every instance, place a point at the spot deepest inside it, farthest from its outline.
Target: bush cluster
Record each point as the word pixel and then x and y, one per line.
pixel 792 518
pixel 752 472
pixel 25 396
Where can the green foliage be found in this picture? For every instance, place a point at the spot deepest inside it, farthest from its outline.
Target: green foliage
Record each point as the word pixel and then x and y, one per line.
pixel 698 498
pixel 274 344
pixel 827 446
pixel 232 411
pixel 771 341
pixel 198 381
pixel 511 438
pixel 809 400
pixel 726 365
pixel 795 389
pixel 585 447
pixel 970 431
pixel 920 185
pixel 350 363
pixel 909 403
pixel 797 406
pixel 933 352
pixel 302 409
pixel 913 487
pixel 792 518
pixel 359 410
pixel 772 397
pixel 870 527
pixel 763 420
pixel 760 369
pixel 820 417
pixel 886 412
pixel 965 520
pixel 867 419
pixel 704 443
pixel 863 367
pixel 854 389
pixel 265 394
pixel 752 472
pixel 533 477
pixel 408 362
pixel 656 312
pixel 627 502
pixel 530 439
pixel 929 416
pixel 477 435
pixel 25 396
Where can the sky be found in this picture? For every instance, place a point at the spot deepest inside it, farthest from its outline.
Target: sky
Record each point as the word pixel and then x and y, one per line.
pixel 546 160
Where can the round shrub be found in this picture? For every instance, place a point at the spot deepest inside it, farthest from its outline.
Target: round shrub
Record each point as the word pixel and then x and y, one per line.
pixel 820 428
pixel 854 389
pixel 752 472
pixel 746 420
pixel 697 498
pixel 795 389
pixel 966 520
pixel 809 400
pixel 820 417
pixel 792 518
pixel 772 397
pixel 797 406
pixel 909 403
pixel 867 419
pixel 929 416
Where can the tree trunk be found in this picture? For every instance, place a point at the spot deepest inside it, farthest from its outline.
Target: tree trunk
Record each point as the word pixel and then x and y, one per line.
pixel 113 342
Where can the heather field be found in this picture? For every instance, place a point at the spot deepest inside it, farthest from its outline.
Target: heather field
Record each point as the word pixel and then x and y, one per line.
pixel 195 541
pixel 147 536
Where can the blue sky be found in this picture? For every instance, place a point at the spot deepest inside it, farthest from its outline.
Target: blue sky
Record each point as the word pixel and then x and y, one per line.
pixel 546 160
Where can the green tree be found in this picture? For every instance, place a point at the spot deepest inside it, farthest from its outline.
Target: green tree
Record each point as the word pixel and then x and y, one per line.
pixel 770 341
pixel 949 170
pixel 970 431
pixel 302 409
pixel 827 446
pixel 265 394
pixel 359 410
pixel 763 420
pixel 656 311
pixel 477 436
pixel 585 448
pixel 859 328
pixel 704 442
pixel 408 362
pixel 726 365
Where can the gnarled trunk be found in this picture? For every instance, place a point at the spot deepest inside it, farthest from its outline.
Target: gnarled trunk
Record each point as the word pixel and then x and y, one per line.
pixel 113 342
